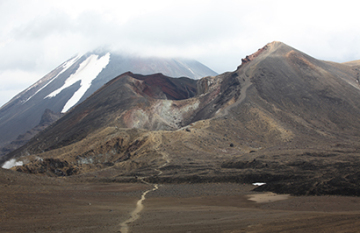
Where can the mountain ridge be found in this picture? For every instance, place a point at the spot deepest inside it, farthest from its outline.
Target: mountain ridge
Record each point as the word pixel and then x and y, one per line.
pixel 282 117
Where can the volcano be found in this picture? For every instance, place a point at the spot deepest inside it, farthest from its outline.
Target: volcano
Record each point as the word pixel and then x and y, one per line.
pixel 282 117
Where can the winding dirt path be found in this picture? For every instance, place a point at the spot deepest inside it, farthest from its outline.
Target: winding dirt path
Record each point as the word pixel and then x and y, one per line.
pixel 135 214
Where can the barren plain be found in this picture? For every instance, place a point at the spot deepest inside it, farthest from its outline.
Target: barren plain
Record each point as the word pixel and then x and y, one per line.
pixel 74 205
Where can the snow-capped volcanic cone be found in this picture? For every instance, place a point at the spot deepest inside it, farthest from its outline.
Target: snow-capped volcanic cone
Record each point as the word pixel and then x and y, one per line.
pixel 75 80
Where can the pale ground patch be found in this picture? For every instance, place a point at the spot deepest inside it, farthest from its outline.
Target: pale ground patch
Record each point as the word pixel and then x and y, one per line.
pixel 267 197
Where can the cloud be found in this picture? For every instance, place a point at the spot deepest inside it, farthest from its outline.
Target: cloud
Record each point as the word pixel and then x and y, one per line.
pixel 12 163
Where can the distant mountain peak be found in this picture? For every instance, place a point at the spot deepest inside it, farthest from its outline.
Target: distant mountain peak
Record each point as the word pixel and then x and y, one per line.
pixel 275 43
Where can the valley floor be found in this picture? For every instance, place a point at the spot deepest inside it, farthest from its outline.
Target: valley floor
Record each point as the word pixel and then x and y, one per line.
pixel 77 206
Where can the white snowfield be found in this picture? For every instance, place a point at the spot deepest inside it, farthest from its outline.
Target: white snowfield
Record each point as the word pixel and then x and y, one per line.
pixel 87 71
pixel 258 183
pixel 64 67
pixel 11 163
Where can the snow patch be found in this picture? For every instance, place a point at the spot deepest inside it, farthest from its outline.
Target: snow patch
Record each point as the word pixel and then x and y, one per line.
pixel 12 163
pixel 86 73
pixel 65 66
pixel 191 71
pixel 258 184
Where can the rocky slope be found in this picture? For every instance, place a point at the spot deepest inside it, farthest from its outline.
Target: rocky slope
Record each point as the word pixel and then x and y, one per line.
pixel 46 119
pixel 282 117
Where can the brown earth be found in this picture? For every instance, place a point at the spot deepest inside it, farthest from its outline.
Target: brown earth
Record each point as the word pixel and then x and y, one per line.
pixel 41 204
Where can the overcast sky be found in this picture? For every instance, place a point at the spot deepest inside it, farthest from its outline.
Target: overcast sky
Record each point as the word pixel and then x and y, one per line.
pixel 38 35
